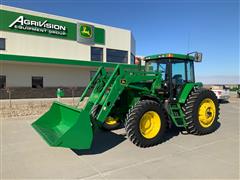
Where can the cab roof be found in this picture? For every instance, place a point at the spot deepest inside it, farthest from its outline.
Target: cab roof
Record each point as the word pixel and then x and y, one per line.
pixel 169 55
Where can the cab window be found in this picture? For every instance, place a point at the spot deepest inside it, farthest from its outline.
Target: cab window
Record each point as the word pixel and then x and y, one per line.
pixel 190 71
pixel 178 73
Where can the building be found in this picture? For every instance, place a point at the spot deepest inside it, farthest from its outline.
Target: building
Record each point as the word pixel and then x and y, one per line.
pixel 41 52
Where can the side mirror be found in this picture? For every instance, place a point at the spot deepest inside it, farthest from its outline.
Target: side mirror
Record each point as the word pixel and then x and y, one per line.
pixel 198 57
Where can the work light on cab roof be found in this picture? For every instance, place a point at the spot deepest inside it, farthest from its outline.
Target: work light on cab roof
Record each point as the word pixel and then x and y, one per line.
pixel 197 57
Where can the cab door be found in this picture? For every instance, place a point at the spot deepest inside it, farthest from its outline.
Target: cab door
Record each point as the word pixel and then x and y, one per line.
pixel 182 72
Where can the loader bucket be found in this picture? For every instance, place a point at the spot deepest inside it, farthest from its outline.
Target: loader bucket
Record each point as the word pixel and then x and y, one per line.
pixel 65 126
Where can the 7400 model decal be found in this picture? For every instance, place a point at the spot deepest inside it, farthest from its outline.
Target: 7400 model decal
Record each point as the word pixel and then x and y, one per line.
pixel 23 23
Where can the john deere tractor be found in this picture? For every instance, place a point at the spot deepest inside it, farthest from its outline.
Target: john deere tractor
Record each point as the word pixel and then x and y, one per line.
pixel 146 100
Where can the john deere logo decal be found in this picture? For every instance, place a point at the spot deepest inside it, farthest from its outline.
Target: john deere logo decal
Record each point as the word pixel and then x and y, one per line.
pixel 86 31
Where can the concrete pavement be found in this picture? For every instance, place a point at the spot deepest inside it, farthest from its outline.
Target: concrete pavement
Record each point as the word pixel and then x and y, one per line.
pixel 26 155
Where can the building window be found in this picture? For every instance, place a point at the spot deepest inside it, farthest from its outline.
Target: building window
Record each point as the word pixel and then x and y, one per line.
pixel 117 56
pixel 37 82
pixel 96 54
pixel 2 82
pixel 2 44
pixel 132 58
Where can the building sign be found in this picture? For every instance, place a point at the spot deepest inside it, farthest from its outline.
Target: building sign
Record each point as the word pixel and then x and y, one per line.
pixel 23 23
pixel 40 26
pixel 35 25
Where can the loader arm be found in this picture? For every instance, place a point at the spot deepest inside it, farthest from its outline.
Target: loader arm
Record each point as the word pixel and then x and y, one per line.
pixel 119 81
pixel 73 127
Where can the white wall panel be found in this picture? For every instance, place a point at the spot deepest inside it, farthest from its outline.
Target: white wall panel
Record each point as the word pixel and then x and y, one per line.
pixel 20 75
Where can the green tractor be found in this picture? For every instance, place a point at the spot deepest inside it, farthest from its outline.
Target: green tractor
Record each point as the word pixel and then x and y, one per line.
pixel 146 100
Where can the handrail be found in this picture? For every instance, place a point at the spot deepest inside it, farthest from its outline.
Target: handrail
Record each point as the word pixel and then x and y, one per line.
pixel 107 84
pixel 89 85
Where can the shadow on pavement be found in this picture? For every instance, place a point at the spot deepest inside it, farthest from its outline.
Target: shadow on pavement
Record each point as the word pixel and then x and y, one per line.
pixel 223 102
pixel 103 141
pixel 106 140
pixel 184 132
pixel 171 133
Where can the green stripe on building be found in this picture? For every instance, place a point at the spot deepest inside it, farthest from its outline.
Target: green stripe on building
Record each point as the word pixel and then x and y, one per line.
pixel 33 59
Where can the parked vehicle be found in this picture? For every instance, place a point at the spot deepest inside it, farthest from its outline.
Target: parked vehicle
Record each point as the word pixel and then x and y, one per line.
pixel 238 91
pixel 222 92
pixel 146 101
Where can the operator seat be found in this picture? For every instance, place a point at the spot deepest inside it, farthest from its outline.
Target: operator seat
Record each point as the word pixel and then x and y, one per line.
pixel 177 79
pixel 177 82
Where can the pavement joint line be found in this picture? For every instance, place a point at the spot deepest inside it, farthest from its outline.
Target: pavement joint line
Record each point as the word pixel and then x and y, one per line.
pixel 214 142
pixel 99 173
pixel 108 172
pixel 180 146
pixel 220 160
pixel 152 160
pixel 200 146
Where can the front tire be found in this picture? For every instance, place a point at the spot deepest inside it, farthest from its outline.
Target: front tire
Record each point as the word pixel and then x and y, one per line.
pixel 111 123
pixel 146 123
pixel 201 112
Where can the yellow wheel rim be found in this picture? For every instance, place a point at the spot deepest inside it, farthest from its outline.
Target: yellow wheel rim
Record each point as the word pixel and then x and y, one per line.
pixel 206 113
pixel 150 124
pixel 111 121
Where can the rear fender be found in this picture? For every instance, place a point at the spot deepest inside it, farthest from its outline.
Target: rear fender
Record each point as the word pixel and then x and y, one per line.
pixel 186 91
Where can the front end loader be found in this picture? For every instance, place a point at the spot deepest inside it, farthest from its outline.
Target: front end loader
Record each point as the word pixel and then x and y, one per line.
pixel 146 100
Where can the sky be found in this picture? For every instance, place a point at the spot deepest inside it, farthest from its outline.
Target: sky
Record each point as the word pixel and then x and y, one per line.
pixel 165 26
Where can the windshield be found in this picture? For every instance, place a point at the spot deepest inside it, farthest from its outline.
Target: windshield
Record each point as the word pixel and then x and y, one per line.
pixel 156 66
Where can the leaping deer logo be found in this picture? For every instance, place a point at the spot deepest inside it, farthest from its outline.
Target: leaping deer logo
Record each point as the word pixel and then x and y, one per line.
pixel 85 31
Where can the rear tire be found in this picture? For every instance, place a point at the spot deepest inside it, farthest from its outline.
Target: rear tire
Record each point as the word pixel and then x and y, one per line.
pixel 146 123
pixel 201 112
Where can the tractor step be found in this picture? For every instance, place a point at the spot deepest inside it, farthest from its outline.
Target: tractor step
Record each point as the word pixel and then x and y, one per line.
pixel 177 115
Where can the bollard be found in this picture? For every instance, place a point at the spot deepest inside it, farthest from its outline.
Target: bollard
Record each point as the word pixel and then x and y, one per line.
pixel 59 93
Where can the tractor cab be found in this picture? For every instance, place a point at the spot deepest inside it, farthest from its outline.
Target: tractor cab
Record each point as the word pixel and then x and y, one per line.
pixel 177 70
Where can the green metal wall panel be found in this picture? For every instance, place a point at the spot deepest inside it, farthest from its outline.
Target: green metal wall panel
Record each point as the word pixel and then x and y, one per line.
pixel 99 37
